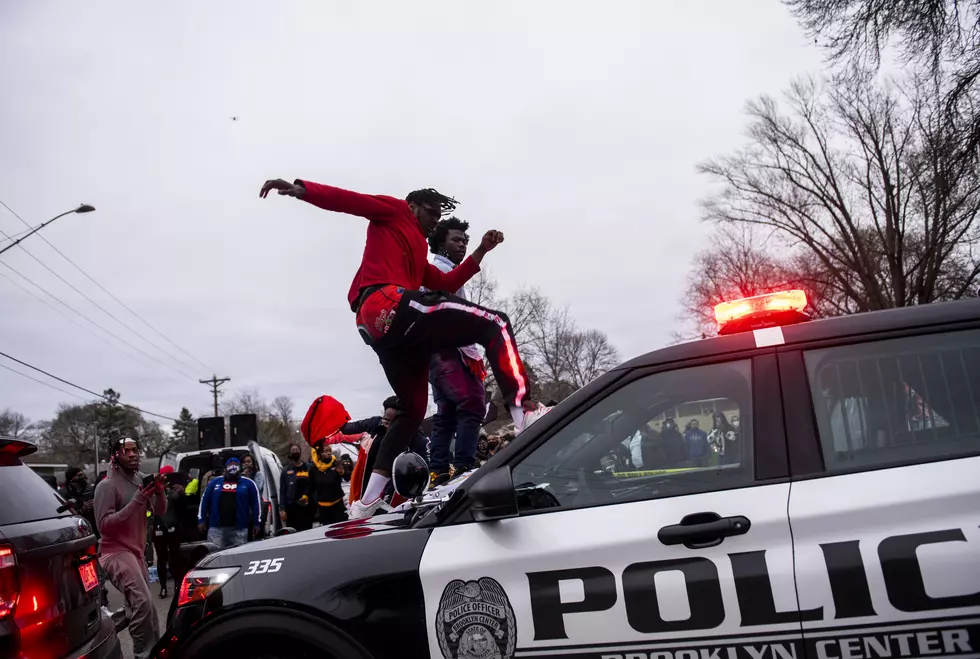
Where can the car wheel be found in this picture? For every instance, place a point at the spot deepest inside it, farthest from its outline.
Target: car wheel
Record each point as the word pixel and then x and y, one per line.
pixel 267 633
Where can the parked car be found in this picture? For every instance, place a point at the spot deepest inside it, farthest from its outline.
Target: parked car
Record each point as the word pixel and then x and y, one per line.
pixel 49 584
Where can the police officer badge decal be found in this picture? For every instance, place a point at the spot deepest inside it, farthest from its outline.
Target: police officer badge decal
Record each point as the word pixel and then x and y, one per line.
pixel 476 621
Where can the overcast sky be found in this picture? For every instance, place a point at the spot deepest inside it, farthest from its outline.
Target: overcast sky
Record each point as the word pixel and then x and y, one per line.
pixel 574 127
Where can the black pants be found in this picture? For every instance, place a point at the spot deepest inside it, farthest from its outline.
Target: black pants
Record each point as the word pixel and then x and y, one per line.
pixel 427 323
pixel 299 517
pixel 332 514
pixel 167 548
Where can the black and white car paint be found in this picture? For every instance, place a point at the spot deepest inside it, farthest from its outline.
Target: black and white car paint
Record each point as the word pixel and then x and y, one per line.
pixel 873 561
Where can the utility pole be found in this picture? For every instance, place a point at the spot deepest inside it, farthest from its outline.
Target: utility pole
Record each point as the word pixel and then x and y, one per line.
pixel 215 383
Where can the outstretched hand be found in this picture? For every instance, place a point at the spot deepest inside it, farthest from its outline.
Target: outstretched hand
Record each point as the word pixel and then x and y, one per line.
pixel 282 187
pixel 491 239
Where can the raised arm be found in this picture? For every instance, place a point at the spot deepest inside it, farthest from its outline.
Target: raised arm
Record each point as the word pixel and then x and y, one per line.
pixel 376 208
pixel 436 280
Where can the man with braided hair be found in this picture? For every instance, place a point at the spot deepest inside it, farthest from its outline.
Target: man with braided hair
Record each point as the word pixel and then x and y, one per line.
pixel 121 503
pixel 405 326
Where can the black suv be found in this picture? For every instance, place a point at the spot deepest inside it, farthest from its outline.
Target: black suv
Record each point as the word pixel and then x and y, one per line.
pixel 791 489
pixel 49 584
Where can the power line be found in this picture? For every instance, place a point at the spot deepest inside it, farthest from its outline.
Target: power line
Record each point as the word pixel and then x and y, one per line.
pixel 42 382
pixel 108 313
pixel 107 292
pixel 81 388
pixel 59 311
pixel 79 314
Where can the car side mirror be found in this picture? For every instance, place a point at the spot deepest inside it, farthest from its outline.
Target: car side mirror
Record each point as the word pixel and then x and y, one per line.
pixel 493 496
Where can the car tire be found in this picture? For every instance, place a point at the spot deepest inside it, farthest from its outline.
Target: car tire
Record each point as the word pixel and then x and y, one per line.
pixel 317 637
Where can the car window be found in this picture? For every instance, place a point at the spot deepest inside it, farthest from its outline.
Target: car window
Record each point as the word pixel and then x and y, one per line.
pixel 27 497
pixel 897 401
pixel 667 434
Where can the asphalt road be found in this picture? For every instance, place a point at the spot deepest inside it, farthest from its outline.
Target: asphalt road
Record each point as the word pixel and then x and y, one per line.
pixel 162 606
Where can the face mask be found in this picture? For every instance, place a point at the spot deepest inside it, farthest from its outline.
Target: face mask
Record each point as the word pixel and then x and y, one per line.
pixel 233 469
pixel 294 456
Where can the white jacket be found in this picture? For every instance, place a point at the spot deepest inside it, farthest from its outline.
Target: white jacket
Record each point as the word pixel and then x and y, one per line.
pixel 445 265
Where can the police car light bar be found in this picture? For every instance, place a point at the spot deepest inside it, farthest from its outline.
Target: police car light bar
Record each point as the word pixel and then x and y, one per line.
pixel 726 312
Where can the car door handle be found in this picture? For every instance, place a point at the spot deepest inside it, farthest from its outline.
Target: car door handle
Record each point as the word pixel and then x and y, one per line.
pixel 701 530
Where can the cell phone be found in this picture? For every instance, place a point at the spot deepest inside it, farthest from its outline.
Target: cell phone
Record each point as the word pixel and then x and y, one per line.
pixel 148 480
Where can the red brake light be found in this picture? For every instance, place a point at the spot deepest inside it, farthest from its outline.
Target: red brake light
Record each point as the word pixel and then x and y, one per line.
pixel 9 588
pixel 726 312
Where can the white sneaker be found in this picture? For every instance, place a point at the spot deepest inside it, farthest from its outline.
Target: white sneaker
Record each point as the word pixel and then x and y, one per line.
pixel 531 417
pixel 360 510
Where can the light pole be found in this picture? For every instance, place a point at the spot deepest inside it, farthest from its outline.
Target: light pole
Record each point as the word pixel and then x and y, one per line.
pixel 84 208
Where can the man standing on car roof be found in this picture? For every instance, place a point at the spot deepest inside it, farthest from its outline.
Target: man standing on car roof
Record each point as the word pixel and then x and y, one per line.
pixel 456 374
pixel 228 506
pixel 121 503
pixel 404 326
pixel 294 491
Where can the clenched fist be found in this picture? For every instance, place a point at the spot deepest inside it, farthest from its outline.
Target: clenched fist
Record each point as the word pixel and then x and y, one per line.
pixel 490 240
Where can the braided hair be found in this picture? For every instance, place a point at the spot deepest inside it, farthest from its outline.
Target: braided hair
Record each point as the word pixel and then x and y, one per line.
pixel 438 235
pixel 432 199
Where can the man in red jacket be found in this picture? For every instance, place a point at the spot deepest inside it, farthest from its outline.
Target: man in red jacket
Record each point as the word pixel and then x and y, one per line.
pixel 404 326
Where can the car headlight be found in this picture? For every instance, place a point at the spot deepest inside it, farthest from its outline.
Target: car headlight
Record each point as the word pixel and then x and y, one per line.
pixel 200 584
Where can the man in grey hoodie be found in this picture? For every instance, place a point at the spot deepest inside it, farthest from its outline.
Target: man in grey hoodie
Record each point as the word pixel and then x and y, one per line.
pixel 121 504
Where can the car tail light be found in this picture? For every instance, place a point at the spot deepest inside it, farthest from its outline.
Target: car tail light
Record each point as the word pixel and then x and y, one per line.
pixel 200 584
pixel 726 312
pixel 9 588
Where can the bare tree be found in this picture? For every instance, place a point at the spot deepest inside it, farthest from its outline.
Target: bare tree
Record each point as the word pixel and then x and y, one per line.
pixel 14 424
pixel 864 187
pixel 589 355
pixel 246 401
pixel 482 289
pixel 738 263
pixel 282 410
pixel 941 35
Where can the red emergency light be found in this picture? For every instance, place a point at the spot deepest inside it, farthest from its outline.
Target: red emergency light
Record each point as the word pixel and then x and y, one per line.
pixel 761 307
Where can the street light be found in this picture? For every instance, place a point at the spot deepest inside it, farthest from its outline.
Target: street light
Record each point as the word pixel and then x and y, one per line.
pixel 84 208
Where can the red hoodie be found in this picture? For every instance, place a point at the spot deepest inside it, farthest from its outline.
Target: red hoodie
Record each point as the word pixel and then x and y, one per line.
pixel 396 250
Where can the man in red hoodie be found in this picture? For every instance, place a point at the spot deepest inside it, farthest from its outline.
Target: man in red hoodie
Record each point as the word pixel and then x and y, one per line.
pixel 404 326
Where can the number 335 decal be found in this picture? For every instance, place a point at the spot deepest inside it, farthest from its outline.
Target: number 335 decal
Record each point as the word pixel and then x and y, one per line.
pixel 269 565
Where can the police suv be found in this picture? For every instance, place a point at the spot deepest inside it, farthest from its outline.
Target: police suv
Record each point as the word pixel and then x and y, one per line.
pixel 791 489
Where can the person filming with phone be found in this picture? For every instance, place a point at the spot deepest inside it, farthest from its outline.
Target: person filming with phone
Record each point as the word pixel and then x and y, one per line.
pixel 121 504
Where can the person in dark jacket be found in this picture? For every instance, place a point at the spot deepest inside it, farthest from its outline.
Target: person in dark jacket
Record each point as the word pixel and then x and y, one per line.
pixel 326 479
pixel 294 492
pixel 377 427
pixel 696 442
pixel 77 492
pixel 672 443
pixel 166 531
pixel 229 506
pixel 81 496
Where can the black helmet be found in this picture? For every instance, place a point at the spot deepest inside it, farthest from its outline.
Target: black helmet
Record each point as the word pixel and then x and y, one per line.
pixel 410 475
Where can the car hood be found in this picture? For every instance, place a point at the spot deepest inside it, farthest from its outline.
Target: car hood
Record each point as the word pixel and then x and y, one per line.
pixel 357 528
